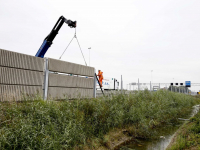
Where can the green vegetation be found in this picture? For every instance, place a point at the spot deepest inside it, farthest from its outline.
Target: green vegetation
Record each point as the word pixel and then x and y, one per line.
pixel 84 124
pixel 188 137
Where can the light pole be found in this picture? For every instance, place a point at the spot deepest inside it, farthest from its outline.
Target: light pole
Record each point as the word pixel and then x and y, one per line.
pixel 89 55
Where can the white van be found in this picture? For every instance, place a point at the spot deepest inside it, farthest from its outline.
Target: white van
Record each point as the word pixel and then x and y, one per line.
pixel 108 84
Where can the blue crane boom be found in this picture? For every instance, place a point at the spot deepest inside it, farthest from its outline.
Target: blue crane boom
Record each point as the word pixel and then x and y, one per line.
pixel 49 39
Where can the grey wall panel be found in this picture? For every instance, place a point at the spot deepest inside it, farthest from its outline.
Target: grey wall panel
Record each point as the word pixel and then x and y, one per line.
pixel 60 80
pixel 69 93
pixel 57 92
pixel 17 60
pixel 70 68
pixel 21 77
pixel 16 92
pixel 85 82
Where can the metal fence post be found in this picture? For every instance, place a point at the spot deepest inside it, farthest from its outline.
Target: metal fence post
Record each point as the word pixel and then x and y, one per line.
pixel 150 85
pixel 138 84
pixel 121 84
pixel 95 81
pixel 46 79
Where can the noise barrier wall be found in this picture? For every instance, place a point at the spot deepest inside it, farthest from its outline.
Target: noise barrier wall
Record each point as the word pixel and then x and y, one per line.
pixel 20 75
pixel 23 75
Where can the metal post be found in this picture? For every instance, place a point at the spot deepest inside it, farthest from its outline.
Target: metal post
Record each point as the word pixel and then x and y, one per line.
pixel 121 84
pixel 159 86
pixel 89 56
pixel 46 79
pixel 150 85
pixel 171 88
pixel 138 84
pixel 179 89
pixel 94 88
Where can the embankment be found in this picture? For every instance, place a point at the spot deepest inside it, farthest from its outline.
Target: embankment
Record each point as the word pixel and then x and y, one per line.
pixel 187 137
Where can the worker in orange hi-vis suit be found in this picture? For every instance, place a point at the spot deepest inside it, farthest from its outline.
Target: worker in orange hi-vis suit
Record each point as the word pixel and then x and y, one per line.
pixel 100 74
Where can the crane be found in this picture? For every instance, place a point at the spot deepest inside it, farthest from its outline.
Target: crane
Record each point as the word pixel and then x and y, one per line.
pixel 49 39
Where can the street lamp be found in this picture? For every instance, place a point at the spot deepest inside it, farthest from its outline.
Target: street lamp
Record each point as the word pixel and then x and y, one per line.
pixel 89 55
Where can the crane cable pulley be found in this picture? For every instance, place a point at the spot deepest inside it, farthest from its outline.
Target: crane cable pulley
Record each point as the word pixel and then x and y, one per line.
pixel 78 45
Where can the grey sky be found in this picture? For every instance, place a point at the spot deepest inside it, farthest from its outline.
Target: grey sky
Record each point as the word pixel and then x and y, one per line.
pixel 128 37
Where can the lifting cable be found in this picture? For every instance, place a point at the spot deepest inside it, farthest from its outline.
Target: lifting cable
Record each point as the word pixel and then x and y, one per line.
pixel 78 45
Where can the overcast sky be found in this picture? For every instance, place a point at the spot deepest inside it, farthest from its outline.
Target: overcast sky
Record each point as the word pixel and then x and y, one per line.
pixel 127 37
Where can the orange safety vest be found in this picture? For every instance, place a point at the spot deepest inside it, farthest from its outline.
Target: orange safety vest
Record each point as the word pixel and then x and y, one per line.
pixel 100 74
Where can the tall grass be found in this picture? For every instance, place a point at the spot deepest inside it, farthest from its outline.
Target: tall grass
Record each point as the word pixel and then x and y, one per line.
pixel 65 124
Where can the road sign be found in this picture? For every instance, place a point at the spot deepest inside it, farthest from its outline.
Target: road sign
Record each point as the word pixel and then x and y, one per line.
pixel 187 83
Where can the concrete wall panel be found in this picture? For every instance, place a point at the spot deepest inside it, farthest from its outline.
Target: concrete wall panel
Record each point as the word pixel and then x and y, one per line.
pixel 20 77
pixel 17 60
pixel 16 92
pixel 85 82
pixel 69 93
pixel 70 68
pixel 60 80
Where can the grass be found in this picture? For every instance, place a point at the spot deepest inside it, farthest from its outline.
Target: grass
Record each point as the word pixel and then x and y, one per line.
pixel 188 137
pixel 84 124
